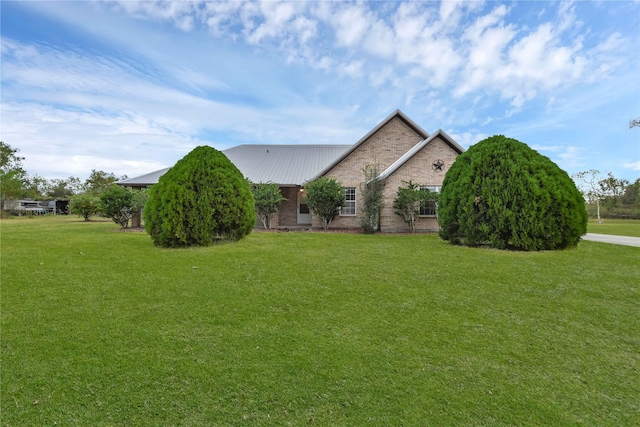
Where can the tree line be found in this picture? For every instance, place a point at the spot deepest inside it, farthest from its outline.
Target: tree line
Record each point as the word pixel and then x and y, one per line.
pixel 16 183
pixel 97 195
pixel 607 196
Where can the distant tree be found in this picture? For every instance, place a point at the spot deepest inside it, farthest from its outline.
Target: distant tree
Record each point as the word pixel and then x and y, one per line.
pixel 201 200
pixel 408 201
pixel 119 204
pixel 612 186
pixel 12 175
pixel 100 181
pixel 35 187
pixel 85 206
pixel 503 194
pixel 372 199
pixel 595 186
pixel 634 122
pixel 64 188
pixel 267 199
pixel 325 197
pixel 631 196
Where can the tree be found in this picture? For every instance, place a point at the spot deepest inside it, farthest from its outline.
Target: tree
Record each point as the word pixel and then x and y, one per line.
pixel 12 175
pixel 372 199
pixel 503 194
pixel 408 201
pixel 631 196
pixel 325 197
pixel 119 204
pixel 34 187
pixel 634 123
pixel 589 184
pixel 201 200
pixel 268 199
pixel 100 181
pixel 64 188
pixel 85 206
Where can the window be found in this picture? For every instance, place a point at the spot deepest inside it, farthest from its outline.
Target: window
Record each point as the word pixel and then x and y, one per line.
pixel 429 207
pixel 349 207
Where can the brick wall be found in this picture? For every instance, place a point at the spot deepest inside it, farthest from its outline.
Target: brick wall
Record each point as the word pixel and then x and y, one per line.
pixel 382 148
pixel 288 214
pixel 418 169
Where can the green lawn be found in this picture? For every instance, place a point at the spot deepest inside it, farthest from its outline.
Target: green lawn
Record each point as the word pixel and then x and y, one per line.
pixel 100 328
pixel 618 227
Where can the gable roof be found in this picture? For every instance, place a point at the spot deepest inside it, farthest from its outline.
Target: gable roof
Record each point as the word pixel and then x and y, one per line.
pixel 416 149
pixel 399 114
pixel 281 164
pixel 293 165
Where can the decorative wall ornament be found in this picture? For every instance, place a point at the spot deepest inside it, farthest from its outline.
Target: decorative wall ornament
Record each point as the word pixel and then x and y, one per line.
pixel 438 166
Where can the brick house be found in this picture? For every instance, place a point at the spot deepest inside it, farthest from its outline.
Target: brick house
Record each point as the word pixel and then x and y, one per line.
pixel 400 148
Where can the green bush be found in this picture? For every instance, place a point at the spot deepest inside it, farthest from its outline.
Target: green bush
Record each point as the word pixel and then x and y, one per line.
pixel 372 190
pixel 502 193
pixel 268 199
pixel 201 200
pixel 119 204
pixel 84 205
pixel 408 201
pixel 325 197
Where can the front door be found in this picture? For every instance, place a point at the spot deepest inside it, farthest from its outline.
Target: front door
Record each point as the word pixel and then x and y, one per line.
pixel 304 215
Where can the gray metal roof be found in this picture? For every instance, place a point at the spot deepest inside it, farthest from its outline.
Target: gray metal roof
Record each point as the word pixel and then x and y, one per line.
pixel 291 165
pixel 280 164
pixel 144 180
pixel 283 164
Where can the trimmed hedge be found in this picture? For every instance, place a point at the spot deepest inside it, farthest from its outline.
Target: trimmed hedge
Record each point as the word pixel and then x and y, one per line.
pixel 506 195
pixel 203 199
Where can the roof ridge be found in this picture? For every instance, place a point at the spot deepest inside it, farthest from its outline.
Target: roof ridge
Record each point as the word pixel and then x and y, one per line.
pixel 397 113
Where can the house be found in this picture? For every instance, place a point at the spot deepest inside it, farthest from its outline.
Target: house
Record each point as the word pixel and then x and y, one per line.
pixel 400 148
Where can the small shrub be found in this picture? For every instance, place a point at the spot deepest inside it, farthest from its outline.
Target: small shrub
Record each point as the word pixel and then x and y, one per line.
pixel 373 199
pixel 408 201
pixel 119 204
pixel 325 197
pixel 268 199
pixel 85 206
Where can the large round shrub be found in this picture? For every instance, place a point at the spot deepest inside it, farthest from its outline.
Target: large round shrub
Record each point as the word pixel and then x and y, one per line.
pixel 502 193
pixel 202 199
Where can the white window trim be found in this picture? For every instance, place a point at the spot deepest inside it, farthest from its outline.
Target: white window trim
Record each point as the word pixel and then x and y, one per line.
pixel 355 199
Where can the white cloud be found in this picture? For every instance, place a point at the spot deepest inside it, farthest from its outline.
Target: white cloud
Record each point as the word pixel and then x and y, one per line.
pixel 244 71
pixel 467 139
pixel 351 24
pixel 570 158
pixel 632 165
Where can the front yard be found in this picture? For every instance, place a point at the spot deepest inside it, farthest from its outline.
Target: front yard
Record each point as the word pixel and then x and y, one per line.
pixel 101 328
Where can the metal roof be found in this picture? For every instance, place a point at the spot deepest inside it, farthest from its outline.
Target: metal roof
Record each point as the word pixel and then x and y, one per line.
pixel 283 164
pixel 292 165
pixel 144 180
pixel 280 164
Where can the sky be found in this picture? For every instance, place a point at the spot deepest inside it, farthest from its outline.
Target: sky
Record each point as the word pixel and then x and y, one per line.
pixel 132 87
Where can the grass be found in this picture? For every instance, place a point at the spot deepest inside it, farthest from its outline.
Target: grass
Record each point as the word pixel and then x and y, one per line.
pixel 618 227
pixel 101 328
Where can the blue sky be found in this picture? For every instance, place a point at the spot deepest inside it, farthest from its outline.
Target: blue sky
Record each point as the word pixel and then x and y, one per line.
pixel 131 87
